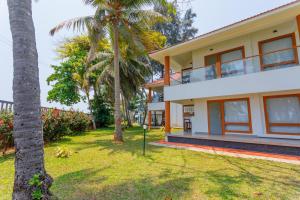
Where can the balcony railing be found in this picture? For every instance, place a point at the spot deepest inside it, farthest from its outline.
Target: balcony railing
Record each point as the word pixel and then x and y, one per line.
pixel 157 98
pixel 270 61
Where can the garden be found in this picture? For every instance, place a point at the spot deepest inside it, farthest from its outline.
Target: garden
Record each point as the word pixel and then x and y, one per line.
pixel 97 168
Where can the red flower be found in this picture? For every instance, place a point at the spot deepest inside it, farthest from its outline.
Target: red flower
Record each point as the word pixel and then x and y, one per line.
pixel 1 122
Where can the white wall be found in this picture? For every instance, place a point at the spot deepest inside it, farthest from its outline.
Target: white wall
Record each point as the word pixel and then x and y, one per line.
pixel 268 81
pixel 250 42
pixel 200 120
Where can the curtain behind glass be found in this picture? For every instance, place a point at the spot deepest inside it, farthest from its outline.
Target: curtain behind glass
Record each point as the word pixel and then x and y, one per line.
pixel 232 63
pixel 236 111
pixel 280 56
pixel 284 110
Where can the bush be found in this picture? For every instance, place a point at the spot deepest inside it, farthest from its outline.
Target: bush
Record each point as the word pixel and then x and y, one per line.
pixel 55 125
pixel 102 112
pixel 6 130
pixel 78 121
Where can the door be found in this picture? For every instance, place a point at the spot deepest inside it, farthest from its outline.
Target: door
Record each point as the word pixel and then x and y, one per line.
pixel 215 118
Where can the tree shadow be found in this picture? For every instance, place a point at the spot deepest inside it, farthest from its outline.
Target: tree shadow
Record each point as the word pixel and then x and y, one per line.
pixel 7 157
pixel 82 185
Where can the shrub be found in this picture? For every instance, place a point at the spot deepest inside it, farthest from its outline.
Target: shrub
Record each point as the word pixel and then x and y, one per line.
pixel 102 112
pixel 55 125
pixel 6 130
pixel 78 121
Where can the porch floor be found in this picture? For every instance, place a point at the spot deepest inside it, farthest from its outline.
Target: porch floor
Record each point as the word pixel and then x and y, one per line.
pixel 252 139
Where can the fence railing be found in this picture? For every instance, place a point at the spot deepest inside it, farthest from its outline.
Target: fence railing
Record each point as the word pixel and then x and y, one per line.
pixel 8 106
pixel 269 61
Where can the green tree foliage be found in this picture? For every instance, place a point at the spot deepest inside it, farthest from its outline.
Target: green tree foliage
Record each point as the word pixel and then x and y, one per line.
pixel 102 111
pixel 178 28
pixel 65 87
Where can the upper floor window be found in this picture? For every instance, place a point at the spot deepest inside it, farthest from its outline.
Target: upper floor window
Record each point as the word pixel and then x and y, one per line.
pixel 228 63
pixel 278 52
pixel 186 75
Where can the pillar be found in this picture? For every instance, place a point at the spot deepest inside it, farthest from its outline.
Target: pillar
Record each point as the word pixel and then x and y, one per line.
pixel 167 103
pixel 149 112
pixel 298 24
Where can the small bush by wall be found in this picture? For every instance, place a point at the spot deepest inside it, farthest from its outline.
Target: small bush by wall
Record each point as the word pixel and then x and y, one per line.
pixel 6 130
pixel 56 124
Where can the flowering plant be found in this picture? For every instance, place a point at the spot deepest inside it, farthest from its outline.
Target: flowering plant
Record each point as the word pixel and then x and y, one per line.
pixel 6 130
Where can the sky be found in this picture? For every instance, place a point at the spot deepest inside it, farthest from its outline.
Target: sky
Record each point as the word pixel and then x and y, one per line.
pixel 211 14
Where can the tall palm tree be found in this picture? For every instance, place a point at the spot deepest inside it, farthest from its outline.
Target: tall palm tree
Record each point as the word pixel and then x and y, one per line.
pixel 28 132
pixel 125 20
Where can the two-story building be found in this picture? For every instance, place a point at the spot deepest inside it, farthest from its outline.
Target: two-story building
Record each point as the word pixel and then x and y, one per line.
pixel 240 80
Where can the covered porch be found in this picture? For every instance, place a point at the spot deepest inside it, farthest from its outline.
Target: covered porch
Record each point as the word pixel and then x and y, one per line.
pixel 241 142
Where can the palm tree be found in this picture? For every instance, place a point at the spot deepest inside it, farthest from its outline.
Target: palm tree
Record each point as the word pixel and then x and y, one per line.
pixel 118 20
pixel 28 132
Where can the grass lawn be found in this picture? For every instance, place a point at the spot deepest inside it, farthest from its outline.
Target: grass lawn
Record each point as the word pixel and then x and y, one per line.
pixel 99 169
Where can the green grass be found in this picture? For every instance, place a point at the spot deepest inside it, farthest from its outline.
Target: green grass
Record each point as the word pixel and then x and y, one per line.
pixel 99 169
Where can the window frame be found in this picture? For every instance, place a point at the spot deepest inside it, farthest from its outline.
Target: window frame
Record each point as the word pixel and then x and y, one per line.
pixel 224 124
pixel 267 121
pixel 261 54
pixel 219 63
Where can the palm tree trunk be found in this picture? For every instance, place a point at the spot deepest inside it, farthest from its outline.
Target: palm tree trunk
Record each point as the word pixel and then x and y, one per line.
pixel 118 137
pixel 28 131
pixel 129 122
pixel 90 108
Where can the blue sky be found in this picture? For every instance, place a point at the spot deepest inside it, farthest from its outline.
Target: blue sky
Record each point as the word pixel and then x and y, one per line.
pixel 211 14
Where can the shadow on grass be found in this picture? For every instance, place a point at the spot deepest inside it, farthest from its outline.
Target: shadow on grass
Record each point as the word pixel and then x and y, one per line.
pixel 133 141
pixel 7 157
pixel 85 185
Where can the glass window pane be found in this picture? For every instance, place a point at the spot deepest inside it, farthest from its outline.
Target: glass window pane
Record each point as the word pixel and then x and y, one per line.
pixel 236 128
pixel 285 129
pixel 236 111
pixel 211 60
pixel 232 55
pixel 186 76
pixel 283 110
pixel 276 45
pixel 279 56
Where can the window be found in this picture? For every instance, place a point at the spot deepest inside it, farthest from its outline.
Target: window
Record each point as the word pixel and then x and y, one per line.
pixel 282 114
pixel 186 75
pixel 237 116
pixel 228 63
pixel 278 52
pixel 230 115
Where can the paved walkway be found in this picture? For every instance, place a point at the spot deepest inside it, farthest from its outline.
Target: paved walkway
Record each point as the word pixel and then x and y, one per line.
pixel 231 152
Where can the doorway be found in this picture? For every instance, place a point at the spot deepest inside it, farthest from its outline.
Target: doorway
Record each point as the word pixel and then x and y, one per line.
pixel 215 118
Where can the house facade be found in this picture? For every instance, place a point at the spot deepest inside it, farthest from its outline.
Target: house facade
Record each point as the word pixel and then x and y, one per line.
pixel 156 106
pixel 242 79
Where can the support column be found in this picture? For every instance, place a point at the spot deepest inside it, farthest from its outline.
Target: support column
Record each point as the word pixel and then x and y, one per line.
pixel 149 120
pixel 167 103
pixel 298 23
pixel 149 112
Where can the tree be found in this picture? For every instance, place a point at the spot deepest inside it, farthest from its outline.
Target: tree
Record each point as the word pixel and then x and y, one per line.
pixel 28 134
pixel 118 20
pixel 177 29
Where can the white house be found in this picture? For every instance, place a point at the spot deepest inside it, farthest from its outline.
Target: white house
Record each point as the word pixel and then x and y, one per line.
pixel 242 79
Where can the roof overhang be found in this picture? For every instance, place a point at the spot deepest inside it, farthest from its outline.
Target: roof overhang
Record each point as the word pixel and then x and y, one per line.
pixel 258 22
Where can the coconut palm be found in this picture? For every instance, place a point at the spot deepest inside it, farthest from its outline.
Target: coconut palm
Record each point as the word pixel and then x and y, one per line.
pixel 117 20
pixel 28 134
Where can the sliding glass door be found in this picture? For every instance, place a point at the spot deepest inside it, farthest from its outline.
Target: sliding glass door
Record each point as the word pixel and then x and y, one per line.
pixel 230 115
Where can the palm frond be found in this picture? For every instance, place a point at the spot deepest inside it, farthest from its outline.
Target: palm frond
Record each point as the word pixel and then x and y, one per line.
pixel 78 24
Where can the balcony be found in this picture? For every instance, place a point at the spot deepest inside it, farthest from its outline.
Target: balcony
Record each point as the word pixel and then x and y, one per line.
pixel 261 73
